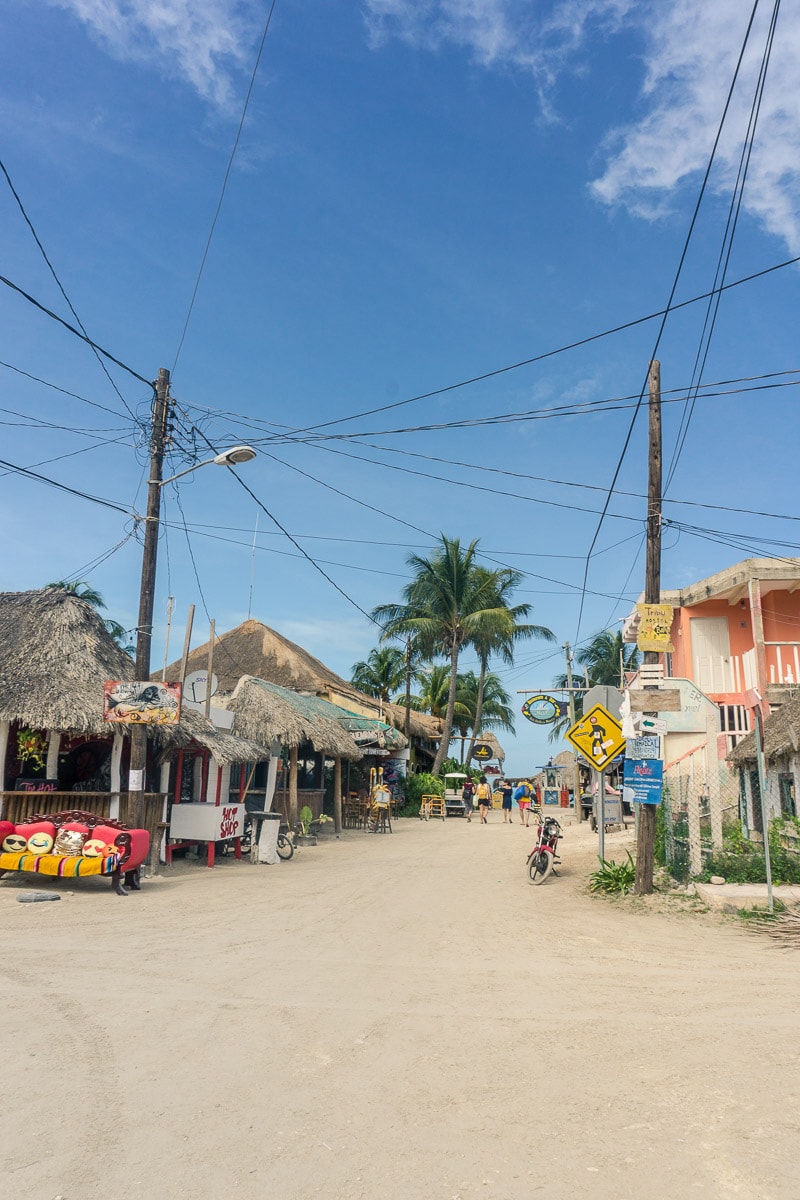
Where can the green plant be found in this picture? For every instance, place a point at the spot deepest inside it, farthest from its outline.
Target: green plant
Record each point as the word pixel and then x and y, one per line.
pixel 613 877
pixel 418 786
pixel 31 748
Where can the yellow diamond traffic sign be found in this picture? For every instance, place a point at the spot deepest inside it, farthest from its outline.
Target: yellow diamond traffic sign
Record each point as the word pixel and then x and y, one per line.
pixel 597 736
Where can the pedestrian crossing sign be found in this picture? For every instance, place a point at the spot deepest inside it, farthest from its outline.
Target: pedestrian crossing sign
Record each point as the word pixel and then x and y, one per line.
pixel 597 736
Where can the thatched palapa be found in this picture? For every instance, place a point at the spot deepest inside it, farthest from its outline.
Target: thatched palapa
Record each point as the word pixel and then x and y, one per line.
pixel 781 735
pixel 55 655
pixel 253 649
pixel 265 712
pixel 224 747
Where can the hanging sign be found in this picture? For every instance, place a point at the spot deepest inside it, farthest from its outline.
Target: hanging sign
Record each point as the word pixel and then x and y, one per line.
pixel 543 709
pixel 655 623
pixel 642 780
pixel 643 747
pixel 483 752
pixel 142 703
pixel 598 736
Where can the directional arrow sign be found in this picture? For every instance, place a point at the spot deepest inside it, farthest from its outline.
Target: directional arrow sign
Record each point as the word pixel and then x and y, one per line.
pixel 597 736
pixel 652 724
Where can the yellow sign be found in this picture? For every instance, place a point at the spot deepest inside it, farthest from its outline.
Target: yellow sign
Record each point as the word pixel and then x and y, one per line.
pixel 655 625
pixel 597 736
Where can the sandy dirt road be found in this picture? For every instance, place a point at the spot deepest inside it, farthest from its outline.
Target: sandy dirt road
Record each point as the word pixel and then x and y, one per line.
pixel 391 1017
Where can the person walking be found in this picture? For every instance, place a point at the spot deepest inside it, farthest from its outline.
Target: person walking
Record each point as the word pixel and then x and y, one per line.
pixel 467 792
pixel 484 794
pixel 507 792
pixel 522 795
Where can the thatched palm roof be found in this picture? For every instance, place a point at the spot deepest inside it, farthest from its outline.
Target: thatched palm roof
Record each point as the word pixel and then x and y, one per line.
pixel 195 726
pixel 55 655
pixel 256 650
pixel 781 735
pixel 265 712
pixel 489 739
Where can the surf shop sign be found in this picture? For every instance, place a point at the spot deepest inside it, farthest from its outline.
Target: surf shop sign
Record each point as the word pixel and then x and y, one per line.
pixel 543 709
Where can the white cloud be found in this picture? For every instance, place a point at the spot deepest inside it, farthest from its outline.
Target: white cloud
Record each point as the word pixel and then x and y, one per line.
pixel 688 72
pixel 689 53
pixel 203 41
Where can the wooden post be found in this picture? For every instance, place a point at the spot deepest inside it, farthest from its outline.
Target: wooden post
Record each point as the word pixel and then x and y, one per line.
pixel 5 727
pixel 211 632
pixel 576 778
pixel 337 795
pixel 147 589
pixel 187 641
pixel 645 845
pixel 292 814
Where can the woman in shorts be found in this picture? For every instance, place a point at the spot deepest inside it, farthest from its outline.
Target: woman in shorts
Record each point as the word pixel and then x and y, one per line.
pixel 523 797
pixel 506 791
pixel 484 794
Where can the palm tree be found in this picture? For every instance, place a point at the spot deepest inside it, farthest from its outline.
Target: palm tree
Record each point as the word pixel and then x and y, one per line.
pixel 435 683
pixel 382 674
pixel 446 604
pixel 84 591
pixel 485 704
pixel 499 637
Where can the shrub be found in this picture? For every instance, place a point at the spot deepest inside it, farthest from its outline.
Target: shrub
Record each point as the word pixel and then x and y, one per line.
pixel 613 877
pixel 418 786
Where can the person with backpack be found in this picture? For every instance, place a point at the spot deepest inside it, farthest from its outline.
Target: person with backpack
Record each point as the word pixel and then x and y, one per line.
pixel 467 792
pixel 522 795
pixel 484 795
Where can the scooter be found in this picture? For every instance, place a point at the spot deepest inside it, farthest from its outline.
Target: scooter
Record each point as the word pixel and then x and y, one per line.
pixel 544 856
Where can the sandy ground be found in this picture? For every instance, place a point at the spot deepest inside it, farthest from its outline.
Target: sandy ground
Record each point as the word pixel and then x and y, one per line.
pixel 393 1016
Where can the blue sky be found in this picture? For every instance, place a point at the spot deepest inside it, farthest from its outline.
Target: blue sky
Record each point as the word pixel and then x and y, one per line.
pixel 423 193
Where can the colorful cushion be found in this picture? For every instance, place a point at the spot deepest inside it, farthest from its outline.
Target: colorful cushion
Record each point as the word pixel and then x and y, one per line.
pixel 69 842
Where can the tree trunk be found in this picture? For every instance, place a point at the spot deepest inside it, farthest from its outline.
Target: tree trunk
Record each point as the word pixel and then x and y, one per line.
pixel 407 729
pixel 444 744
pixel 476 728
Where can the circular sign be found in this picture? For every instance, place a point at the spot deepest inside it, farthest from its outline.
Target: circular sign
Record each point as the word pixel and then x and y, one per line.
pixel 195 686
pixel 483 752
pixel 543 710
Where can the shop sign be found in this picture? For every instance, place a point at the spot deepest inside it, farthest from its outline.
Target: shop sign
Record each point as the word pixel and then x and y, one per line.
pixel 655 624
pixel 643 747
pixel 483 752
pixel 543 709
pixel 141 703
pixel 642 780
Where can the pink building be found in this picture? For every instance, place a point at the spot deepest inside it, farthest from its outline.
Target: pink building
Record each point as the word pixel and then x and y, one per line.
pixel 736 632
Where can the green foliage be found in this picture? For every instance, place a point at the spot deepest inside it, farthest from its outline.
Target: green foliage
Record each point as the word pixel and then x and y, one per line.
pixel 418 786
pixel 382 674
pixel 306 816
pixel 660 846
pixel 743 861
pixel 612 877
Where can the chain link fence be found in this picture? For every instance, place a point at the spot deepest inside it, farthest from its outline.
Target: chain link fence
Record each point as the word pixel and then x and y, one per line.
pixel 709 822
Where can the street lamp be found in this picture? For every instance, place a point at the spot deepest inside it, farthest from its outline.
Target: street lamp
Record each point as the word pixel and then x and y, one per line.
pixel 144 629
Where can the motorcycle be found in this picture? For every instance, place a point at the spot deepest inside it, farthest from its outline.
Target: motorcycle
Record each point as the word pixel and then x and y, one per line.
pixel 544 856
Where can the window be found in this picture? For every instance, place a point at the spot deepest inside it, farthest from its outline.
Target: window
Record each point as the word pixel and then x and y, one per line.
pixel 755 792
pixel 786 790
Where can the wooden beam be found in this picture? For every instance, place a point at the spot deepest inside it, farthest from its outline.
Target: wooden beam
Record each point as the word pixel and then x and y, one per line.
pixel 655 700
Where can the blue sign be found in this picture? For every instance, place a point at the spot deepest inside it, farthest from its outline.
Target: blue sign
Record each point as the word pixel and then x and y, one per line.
pixel 642 780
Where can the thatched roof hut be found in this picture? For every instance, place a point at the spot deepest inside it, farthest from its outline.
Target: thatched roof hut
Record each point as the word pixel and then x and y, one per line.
pixel 55 655
pixel 196 727
pixel 781 736
pixel 253 649
pixel 265 712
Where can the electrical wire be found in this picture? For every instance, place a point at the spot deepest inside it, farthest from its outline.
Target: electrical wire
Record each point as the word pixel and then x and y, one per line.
pixel 64 391
pixel 726 249
pixel 224 186
pixel 77 333
pixel 62 487
pixel 668 308
pixel 60 286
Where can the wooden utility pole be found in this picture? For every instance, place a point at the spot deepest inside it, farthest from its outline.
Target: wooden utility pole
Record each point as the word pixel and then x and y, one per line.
pixel 576 779
pixel 147 591
pixel 645 843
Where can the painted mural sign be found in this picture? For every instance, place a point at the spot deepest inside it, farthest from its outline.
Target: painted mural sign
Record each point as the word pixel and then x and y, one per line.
pixel 642 780
pixel 655 623
pixel 128 702
pixel 543 709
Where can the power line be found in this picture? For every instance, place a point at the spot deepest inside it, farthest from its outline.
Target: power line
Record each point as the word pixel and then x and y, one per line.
pixel 668 309
pixel 64 391
pixel 224 186
pixel 81 336
pixel 12 467
pixel 60 285
pixel 551 353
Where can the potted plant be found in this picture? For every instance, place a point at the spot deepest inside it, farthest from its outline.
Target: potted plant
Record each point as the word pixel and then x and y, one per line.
pixel 307 837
